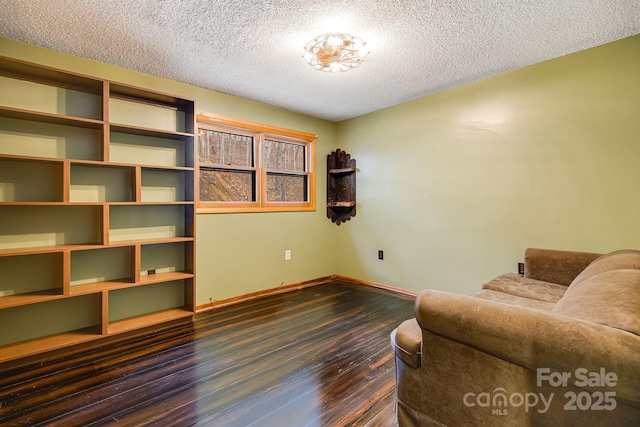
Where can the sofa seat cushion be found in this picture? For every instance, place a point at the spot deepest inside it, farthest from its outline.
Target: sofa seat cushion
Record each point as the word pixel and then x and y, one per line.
pixel 611 298
pixel 406 340
pixel 518 301
pixel 622 259
pixel 514 284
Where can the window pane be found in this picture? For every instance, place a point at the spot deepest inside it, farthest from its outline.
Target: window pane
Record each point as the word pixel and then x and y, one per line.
pixel 286 188
pixel 226 186
pixel 220 148
pixel 284 156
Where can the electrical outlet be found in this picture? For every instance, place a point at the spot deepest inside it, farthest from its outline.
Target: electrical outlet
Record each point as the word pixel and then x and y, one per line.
pixel 380 254
pixel 521 268
pixel 152 271
pixel 287 255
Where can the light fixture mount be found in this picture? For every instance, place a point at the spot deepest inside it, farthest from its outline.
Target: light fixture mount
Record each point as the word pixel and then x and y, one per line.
pixel 335 52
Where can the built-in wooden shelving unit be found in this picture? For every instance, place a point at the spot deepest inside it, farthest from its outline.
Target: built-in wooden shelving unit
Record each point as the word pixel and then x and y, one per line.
pixel 97 208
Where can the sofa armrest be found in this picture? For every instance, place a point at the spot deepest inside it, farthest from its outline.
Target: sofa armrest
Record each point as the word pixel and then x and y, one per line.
pixel 555 266
pixel 406 341
pixel 533 339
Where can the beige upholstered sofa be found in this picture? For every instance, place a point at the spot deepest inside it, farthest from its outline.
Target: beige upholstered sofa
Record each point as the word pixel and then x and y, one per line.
pixel 559 346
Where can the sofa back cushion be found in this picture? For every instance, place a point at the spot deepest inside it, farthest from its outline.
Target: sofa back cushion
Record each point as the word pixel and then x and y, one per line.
pixel 555 266
pixel 622 259
pixel 609 298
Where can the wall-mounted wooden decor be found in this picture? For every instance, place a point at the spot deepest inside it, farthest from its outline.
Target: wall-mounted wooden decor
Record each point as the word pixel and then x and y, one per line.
pixel 341 187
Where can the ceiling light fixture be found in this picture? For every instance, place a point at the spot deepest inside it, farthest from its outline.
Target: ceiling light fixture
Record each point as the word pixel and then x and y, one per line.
pixel 335 52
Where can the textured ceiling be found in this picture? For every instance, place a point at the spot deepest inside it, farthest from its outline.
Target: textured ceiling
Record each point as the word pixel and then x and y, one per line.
pixel 253 49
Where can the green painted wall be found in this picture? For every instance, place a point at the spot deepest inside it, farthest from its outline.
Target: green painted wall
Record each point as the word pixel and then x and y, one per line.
pixel 454 186
pixel 236 253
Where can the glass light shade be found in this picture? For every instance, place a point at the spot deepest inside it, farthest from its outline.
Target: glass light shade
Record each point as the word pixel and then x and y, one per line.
pixel 335 52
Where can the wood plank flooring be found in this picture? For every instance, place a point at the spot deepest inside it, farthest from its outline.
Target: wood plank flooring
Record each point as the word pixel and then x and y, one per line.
pixel 319 356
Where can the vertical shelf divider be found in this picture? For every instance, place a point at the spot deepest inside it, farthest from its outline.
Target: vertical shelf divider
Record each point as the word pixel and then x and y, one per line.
pixel 137 184
pixel 104 149
pixel 106 130
pixel 66 181
pixel 105 224
pixel 189 295
pixel 66 272
pixel 137 262
pixel 104 312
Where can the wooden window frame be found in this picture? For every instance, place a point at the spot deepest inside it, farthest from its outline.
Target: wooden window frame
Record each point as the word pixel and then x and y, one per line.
pixel 260 132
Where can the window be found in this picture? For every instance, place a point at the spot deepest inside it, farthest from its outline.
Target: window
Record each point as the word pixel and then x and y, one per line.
pixel 250 167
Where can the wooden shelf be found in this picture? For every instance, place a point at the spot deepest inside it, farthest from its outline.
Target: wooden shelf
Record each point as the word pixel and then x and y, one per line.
pixel 341 171
pixel 188 202
pixel 49 249
pixel 36 159
pixel 341 187
pixel 94 288
pixel 38 204
pixel 163 277
pixel 56 119
pixel 131 165
pixel 23 70
pixel 83 247
pixel 96 192
pixel 148 319
pixel 136 94
pixel 8 301
pixel 51 342
pixel 128 283
pixel 52 294
pixel 156 133
pixel 30 159
pixel 341 204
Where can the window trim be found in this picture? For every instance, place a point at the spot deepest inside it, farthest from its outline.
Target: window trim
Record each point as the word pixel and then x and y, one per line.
pixel 261 132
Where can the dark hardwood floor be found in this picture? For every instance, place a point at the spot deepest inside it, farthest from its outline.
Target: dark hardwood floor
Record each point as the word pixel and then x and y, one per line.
pixel 319 356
